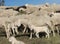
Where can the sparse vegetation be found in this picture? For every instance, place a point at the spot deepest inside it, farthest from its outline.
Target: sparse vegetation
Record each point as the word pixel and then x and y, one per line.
pixel 51 40
pixel 25 38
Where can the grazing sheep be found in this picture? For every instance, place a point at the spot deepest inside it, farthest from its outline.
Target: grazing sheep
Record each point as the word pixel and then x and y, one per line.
pixel 13 40
pixel 39 29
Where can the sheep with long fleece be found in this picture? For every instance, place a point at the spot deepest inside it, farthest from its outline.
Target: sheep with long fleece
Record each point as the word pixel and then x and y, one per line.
pixel 13 40
pixel 39 29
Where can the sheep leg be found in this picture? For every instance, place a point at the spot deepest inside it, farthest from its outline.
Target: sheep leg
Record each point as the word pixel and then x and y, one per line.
pixel 47 34
pixel 30 35
pixel 7 32
pixel 16 30
pixel 10 31
pixel 13 43
pixel 37 35
pixel 53 33
pixel 57 30
pixel 52 27
pixel 13 31
pixel 24 29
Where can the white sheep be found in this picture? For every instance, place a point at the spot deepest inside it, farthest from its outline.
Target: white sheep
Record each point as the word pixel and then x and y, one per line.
pixel 11 25
pixel 13 40
pixel 22 21
pixel 14 28
pixel 55 20
pixel 39 29
pixel 14 25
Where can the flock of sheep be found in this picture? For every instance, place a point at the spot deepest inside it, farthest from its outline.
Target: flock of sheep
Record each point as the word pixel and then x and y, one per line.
pixel 37 21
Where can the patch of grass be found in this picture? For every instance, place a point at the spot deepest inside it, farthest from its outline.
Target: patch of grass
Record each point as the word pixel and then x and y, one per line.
pixel 51 40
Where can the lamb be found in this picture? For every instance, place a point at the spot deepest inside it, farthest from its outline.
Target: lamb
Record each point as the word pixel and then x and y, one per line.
pixel 39 29
pixel 13 40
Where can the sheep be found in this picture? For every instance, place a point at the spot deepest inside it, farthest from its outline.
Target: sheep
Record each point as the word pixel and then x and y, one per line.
pixel 3 22
pixel 55 19
pixel 15 22
pixel 21 21
pixel 13 40
pixel 39 29
pixel 14 25
pixel 14 28
pixel 11 23
pixel 8 25
pixel 41 19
